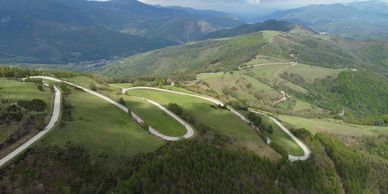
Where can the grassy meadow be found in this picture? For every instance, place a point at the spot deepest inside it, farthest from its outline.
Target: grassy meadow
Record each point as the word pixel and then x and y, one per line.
pixel 12 91
pixel 332 126
pixel 102 129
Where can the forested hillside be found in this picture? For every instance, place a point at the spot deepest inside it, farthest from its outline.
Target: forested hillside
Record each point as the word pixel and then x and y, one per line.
pixel 300 45
pixel 61 32
pixel 187 166
pixel 363 93
pixel 252 28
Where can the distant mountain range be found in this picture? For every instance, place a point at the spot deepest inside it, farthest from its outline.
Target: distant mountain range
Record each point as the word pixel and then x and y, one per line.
pixel 362 20
pixel 64 31
pixel 251 28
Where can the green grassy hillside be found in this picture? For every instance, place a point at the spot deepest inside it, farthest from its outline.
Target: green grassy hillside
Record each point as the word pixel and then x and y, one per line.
pixel 261 85
pixel 97 148
pixel 213 119
pixel 25 109
pixel 101 129
pixel 251 28
pixel 332 126
pixel 226 54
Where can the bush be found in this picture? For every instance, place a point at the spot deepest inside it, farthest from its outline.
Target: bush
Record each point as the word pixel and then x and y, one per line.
pixel 93 86
pixel 65 89
pixel 121 101
pixel 269 129
pixel 175 108
pixel 255 119
pixel 40 88
pixel 33 105
pixel 301 133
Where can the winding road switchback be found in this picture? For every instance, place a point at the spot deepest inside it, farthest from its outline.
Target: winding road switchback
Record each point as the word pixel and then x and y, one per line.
pixel 303 146
pixel 292 158
pixel 188 127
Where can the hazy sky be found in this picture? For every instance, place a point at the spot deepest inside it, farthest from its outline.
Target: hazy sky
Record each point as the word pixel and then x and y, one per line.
pixel 241 6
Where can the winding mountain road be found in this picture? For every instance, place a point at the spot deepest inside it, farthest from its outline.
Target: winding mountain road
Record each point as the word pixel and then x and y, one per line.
pixel 303 146
pixel 50 125
pixel 210 99
pixel 189 129
pixel 292 158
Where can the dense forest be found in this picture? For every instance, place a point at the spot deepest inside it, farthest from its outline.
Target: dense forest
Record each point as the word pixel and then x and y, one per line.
pixel 362 92
pixel 14 72
pixel 205 164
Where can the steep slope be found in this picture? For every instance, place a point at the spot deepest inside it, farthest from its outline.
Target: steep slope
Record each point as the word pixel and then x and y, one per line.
pixel 364 93
pixel 362 20
pixel 53 32
pixel 59 31
pixel 172 23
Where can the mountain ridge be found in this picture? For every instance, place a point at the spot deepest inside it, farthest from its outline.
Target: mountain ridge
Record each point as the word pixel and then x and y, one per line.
pixel 360 20
pixel 75 31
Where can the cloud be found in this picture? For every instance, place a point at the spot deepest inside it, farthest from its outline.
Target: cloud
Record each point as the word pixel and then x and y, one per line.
pixel 253 2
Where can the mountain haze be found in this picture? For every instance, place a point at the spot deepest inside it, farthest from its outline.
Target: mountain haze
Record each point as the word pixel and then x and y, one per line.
pixel 362 20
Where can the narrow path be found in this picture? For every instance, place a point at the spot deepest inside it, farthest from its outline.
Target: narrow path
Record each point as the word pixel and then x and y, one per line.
pixel 263 64
pixel 292 158
pixel 292 64
pixel 305 149
pixel 189 129
pixel 50 125
pixel 276 74
pixel 284 98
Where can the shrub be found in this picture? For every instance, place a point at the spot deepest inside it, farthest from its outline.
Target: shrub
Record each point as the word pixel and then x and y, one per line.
pixel 175 108
pixel 121 101
pixel 33 105
pixel 93 86
pixel 256 120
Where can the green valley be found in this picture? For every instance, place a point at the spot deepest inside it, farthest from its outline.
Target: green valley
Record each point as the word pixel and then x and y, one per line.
pixel 128 96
